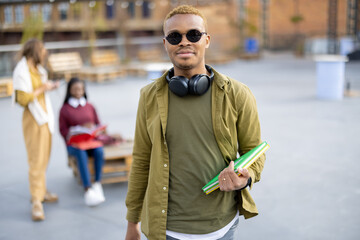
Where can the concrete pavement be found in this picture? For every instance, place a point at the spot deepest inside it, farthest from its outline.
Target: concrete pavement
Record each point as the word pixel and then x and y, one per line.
pixel 310 187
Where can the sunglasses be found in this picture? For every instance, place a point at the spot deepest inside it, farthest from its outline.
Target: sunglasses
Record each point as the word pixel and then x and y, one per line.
pixel 193 36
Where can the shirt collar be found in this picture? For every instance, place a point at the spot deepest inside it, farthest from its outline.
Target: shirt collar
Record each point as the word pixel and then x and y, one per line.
pixel 221 80
pixel 74 102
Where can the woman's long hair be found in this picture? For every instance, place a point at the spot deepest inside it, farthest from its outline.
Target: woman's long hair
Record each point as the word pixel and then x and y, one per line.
pixel 72 82
pixel 32 49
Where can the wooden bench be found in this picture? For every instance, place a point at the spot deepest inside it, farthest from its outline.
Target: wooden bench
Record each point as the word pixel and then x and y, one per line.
pixel 104 58
pixel 135 69
pixel 249 56
pixel 65 65
pixel 117 163
pixel 219 58
pixel 105 66
pixel 150 55
pixel 6 87
pixel 146 56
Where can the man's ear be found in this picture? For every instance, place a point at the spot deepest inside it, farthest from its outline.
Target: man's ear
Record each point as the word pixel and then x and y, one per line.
pixel 207 41
pixel 164 42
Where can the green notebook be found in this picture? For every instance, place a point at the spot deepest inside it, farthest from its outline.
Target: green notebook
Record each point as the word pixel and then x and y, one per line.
pixel 244 161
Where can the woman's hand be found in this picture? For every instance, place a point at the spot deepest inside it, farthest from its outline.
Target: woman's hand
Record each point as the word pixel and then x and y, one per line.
pixel 89 125
pixel 56 84
pixel 50 85
pixel 47 86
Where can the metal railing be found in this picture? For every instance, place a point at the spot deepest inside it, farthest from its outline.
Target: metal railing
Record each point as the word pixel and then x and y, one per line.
pixel 126 48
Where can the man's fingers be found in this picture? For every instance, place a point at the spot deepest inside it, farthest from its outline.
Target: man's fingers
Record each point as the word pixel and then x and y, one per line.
pixel 231 176
pixel 225 178
pixel 229 180
pixel 244 172
pixel 226 183
pixel 231 166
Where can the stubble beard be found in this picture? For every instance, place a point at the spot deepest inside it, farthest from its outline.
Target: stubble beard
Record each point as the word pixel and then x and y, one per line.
pixel 184 66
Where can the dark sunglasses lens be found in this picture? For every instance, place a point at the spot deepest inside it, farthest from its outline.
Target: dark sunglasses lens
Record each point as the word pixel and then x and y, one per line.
pixel 174 38
pixel 193 35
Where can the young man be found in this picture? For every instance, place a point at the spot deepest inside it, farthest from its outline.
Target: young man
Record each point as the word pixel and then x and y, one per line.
pixel 190 125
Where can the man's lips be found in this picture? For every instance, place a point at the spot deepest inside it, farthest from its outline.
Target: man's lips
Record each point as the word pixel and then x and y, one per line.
pixel 185 54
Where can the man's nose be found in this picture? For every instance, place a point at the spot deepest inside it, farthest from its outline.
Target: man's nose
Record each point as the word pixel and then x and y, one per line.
pixel 184 41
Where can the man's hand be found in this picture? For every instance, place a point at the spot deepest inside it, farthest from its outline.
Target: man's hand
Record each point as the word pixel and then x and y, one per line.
pixel 133 231
pixel 230 181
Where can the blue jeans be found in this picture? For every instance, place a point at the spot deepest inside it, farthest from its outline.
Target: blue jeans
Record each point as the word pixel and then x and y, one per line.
pixel 82 163
pixel 228 236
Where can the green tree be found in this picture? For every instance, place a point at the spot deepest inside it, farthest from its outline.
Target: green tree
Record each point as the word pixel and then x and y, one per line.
pixel 96 24
pixel 33 27
pixel 296 19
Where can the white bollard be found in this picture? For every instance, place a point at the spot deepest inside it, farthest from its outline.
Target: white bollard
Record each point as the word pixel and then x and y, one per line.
pixel 156 70
pixel 347 45
pixel 330 72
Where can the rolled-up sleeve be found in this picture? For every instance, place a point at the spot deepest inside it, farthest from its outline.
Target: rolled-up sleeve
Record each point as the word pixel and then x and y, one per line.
pixel 23 98
pixel 249 135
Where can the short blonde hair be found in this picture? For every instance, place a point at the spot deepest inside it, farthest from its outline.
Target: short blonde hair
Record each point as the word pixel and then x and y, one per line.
pixel 185 9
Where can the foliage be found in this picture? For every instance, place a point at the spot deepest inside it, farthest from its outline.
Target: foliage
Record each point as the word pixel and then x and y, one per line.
pixel 33 28
pixel 96 24
pixel 250 28
pixel 297 18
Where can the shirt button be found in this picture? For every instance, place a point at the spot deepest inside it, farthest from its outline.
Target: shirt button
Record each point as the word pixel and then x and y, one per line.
pixel 164 188
pixel 165 142
pixel 165 165
pixel 163 211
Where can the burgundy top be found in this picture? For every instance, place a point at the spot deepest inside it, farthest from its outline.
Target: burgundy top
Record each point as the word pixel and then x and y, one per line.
pixel 70 116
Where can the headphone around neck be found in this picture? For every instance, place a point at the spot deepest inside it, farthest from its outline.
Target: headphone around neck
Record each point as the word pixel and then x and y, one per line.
pixel 196 85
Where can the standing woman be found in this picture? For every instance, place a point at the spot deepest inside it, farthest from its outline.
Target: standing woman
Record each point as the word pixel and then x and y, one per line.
pixel 77 113
pixel 31 88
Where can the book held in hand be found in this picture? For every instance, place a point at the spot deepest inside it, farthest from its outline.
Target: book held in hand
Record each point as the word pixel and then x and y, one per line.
pixel 244 161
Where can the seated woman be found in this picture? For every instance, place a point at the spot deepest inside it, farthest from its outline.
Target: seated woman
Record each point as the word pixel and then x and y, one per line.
pixel 76 113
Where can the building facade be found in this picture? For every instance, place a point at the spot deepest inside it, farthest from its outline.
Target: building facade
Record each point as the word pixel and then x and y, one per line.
pixel 134 25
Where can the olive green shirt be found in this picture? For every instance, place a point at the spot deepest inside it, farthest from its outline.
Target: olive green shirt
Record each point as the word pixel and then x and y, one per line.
pixel 236 128
pixel 195 158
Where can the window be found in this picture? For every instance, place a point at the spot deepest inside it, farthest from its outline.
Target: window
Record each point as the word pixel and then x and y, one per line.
pixel 46 12
pixel 131 10
pixel 19 14
pixel 8 14
pixel 34 10
pixel 76 10
pixel 110 9
pixel 63 10
pixel 146 11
